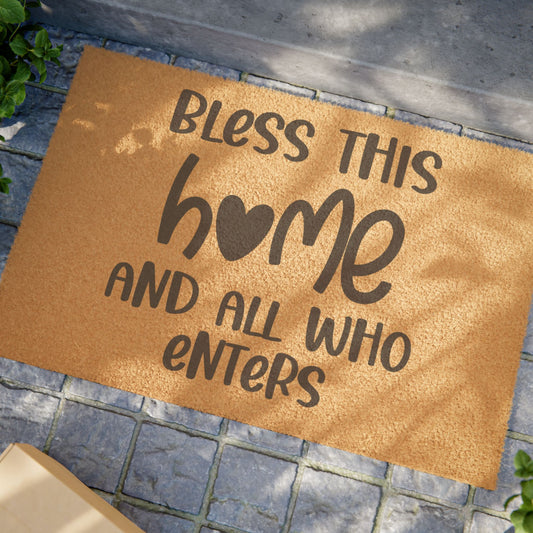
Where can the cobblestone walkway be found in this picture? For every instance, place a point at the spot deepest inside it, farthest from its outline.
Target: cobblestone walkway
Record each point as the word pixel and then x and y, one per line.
pixel 171 469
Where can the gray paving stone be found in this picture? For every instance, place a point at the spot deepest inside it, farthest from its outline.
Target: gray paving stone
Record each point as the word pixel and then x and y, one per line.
pixel 497 139
pixel 350 461
pixel 521 419
pixel 25 416
pixel 32 125
pixel 106 497
pixel 170 468
pixel 208 68
pixel 183 415
pixel 7 237
pixel 445 489
pixel 435 123
pixel 508 484
pixel 31 374
pixel 329 503
pixel 23 171
pixel 92 443
pixel 209 530
pixel 138 51
pixel 251 491
pixel 409 515
pixel 352 103
pixel 484 523
pixel 154 522
pixel 280 86
pixel 265 438
pixel 108 395
pixel 73 44
pixel 528 340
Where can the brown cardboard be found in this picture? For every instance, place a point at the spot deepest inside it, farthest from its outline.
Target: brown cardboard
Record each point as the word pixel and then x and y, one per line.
pixel 37 494
pixel 443 225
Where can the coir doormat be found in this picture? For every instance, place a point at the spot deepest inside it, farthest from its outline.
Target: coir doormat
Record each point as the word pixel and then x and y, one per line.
pixel 317 271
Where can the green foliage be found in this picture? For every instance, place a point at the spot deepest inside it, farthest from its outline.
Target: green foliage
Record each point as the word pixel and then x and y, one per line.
pixel 17 56
pixel 522 518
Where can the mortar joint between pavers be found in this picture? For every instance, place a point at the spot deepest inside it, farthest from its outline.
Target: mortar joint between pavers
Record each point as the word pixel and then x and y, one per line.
pixel 243 76
pixel 386 488
pixel 468 512
pixel 154 507
pixel 520 436
pixel 46 87
pixel 201 519
pixel 57 415
pixel 390 111
pixel 295 488
pixel 127 461
pixel 15 151
pixel 526 356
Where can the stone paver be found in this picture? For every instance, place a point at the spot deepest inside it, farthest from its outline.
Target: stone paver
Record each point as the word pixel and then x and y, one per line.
pixel 23 171
pixel 25 416
pixel 252 491
pixel 154 522
pixel 419 120
pixel 7 237
pixel 280 86
pixel 409 515
pixel 170 468
pixel 207 68
pixel 31 374
pixel 32 125
pixel 92 443
pixel 264 438
pixel 182 415
pixel 108 395
pixel 327 503
pixel 350 461
pixel 445 489
pixel 484 523
pixel 352 103
pixel 522 412
pixel 138 51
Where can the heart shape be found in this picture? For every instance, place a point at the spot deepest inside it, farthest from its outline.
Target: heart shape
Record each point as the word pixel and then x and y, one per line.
pixel 238 232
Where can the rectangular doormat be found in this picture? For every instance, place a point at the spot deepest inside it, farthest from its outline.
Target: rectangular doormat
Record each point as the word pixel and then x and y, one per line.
pixel 321 272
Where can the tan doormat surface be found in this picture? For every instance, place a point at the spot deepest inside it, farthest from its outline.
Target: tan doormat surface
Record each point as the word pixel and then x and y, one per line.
pixel 317 271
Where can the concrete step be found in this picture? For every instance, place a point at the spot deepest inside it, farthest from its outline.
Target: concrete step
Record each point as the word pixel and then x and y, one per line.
pixel 464 61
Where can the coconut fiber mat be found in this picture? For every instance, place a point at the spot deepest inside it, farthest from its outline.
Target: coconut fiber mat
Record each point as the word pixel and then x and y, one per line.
pixel 313 270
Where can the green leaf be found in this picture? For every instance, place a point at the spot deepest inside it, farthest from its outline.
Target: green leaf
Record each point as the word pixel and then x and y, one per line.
pixel 11 11
pixel 41 39
pixel 3 139
pixel 23 72
pixel 527 489
pixel 7 108
pixel 5 69
pixel 527 524
pixel 3 33
pixel 521 459
pixel 517 518
pixel 509 500
pixel 41 68
pixel 4 185
pixel 19 45
pixel 39 52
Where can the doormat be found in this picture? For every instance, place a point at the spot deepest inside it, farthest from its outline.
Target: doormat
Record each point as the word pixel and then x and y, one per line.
pixel 317 271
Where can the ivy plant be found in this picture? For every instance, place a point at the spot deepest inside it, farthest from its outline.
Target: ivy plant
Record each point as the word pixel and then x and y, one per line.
pixel 522 518
pixel 17 57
